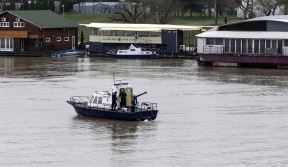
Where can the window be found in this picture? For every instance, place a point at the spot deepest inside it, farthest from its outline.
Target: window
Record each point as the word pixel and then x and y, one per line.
pixel 130 33
pixel 58 39
pixel 214 41
pixel 3 19
pixel 18 24
pixel 250 46
pixel 6 44
pixel 210 41
pixel 268 43
pixel 119 33
pixel 238 45
pixel 227 45
pixel 256 46
pixel 107 33
pixel 218 41
pixel 285 42
pixel 274 44
pixel 233 42
pixel 95 31
pixel 143 34
pixel 95 100
pixel 99 100
pixel 154 34
pixel 244 46
pixel 4 24
pixel 132 50
pixel 262 46
pixel 47 39
pixel 66 39
pixel 280 45
pixel 2 41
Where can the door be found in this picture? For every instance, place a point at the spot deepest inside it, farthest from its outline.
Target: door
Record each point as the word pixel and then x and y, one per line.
pixel 73 42
pixel 22 44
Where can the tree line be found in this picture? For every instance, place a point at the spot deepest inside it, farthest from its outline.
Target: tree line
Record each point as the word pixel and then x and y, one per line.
pixel 160 11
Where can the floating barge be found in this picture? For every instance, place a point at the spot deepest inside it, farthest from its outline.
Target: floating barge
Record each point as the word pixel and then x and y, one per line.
pixel 260 42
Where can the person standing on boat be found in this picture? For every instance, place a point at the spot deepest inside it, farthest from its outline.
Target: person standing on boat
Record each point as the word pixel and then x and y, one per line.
pixel 114 100
pixel 134 103
pixel 122 97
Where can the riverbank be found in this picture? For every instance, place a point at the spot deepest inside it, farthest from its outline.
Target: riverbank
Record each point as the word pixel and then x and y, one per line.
pixel 193 56
pixel 25 54
pixel 48 54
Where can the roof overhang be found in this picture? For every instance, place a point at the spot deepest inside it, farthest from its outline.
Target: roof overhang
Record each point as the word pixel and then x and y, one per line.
pixel 244 34
pixel 143 27
pixel 276 18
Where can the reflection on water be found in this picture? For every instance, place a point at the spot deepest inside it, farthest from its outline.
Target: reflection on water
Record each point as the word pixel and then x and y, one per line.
pixel 124 137
pixel 123 134
pixel 253 76
pixel 226 117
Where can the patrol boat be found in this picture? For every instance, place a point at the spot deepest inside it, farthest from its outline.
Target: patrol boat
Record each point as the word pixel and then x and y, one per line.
pixel 133 53
pixel 126 106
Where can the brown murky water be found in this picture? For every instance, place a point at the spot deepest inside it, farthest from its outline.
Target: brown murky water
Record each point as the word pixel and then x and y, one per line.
pixel 208 117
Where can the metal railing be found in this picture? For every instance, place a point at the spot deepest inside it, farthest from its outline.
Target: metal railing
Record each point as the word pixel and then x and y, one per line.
pixel 212 49
pixel 285 51
pixel 80 99
pixel 147 106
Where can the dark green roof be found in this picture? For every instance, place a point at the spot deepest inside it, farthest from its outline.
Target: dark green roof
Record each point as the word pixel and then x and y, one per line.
pixel 44 18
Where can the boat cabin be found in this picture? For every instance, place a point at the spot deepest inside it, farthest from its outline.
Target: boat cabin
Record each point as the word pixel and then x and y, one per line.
pixel 101 100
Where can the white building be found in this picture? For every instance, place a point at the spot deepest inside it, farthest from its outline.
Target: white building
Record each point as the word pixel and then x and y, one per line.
pixel 107 36
pixel 259 41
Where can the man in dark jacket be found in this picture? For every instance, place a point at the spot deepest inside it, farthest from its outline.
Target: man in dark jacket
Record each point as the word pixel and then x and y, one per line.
pixel 114 100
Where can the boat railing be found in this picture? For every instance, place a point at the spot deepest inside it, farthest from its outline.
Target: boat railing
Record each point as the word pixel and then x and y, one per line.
pixel 149 106
pixel 80 99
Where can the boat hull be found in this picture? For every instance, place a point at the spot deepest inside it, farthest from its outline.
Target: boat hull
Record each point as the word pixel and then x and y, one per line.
pixel 134 56
pixel 86 111
pixel 69 53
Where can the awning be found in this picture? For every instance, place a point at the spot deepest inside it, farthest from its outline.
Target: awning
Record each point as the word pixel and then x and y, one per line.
pixel 131 29
pixel 143 27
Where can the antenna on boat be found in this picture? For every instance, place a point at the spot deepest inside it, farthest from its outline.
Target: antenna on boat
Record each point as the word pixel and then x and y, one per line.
pixel 113 78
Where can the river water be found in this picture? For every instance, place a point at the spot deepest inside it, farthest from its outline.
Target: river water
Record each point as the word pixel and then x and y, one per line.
pixel 209 117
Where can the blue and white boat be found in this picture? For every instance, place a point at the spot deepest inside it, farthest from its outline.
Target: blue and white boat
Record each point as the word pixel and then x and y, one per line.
pixel 133 53
pixel 126 106
pixel 69 53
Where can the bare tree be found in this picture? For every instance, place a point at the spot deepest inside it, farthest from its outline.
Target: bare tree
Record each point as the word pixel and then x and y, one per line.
pixel 268 7
pixel 132 12
pixel 285 4
pixel 161 10
pixel 247 7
